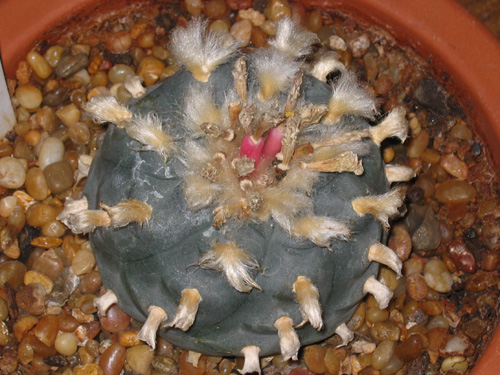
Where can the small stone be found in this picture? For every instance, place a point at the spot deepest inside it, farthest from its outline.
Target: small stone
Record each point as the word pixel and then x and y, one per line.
pixel 314 356
pixel 400 242
pixel 424 229
pixel 410 348
pixel 462 257
pixel 416 287
pixel 165 364
pixel 359 45
pixel 83 262
pixel 242 32
pixel 430 94
pixel 31 299
pixel 337 43
pixel 454 166
pixel 71 64
pixel 139 357
pixel 46 242
pixel 59 176
pixel 32 277
pixel 455 191
pixel 277 9
pixel 12 173
pixel 481 281
pixel 437 276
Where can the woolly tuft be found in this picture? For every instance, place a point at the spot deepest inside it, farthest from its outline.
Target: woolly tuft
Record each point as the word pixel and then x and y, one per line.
pixel 349 98
pixel 234 263
pixel 128 211
pixel 289 340
pixel 308 298
pixel 293 39
pixel 187 310
pixel 200 50
pixel 321 230
pixel 394 125
pixel 105 108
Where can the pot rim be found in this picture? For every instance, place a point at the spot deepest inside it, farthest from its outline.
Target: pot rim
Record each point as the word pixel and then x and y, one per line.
pixel 458 44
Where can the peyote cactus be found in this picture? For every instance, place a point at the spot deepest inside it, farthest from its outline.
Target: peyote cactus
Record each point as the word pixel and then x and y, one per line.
pixel 239 207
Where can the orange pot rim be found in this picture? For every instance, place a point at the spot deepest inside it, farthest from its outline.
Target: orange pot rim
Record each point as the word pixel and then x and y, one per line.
pixel 442 31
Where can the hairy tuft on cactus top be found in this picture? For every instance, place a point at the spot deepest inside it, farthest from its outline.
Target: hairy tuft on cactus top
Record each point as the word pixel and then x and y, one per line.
pixel 239 207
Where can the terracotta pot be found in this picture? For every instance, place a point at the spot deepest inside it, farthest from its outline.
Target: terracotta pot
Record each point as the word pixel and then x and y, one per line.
pixel 440 30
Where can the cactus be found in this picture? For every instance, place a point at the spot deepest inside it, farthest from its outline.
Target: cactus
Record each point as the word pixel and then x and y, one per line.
pixel 240 206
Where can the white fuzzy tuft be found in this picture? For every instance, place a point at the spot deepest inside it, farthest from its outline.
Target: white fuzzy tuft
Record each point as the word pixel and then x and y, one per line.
pixel 187 310
pixel 394 125
pixel 148 130
pixel 327 63
pixel 86 221
pixel 384 255
pixel 128 211
pixel 134 86
pixel 344 162
pixel 156 315
pixel 381 293
pixel 349 98
pixel 72 207
pixel 252 360
pixel 105 108
pixel 321 230
pixel 201 51
pixel 275 71
pixel 199 108
pixel 345 334
pixel 289 340
pixel 293 39
pixel 381 207
pixel 199 192
pixel 308 298
pixel 398 173
pixel 234 263
pixel 104 302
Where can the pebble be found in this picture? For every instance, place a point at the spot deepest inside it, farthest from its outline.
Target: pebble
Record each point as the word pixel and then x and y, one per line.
pixel 69 115
pixel 115 320
pixel 186 368
pixel 7 205
pixel 239 4
pixel 119 73
pixel 455 191
pixel 424 229
pixel 462 257
pixel 12 271
pixel 416 287
pixel 66 343
pixel 69 65
pixel 382 354
pixel 4 310
pixel 253 16
pixel 437 276
pixel 418 144
pixel 359 45
pixel 49 264
pixel 59 176
pixel 461 131
pixel 52 151
pixel 83 262
pixel 400 242
pixel 242 32
pixel 40 213
pixel 32 277
pixel 39 65
pixel 430 94
pixel 139 358
pixel 46 329
pixel 481 281
pixel 165 364
pixel 90 282
pixel 29 97
pixel 385 331
pixel 53 55
pixel 12 173
pixel 150 69
pixel 432 308
pixel 277 9
pixel 314 358
pixel 56 97
pixel 118 42
pixel 194 7
pixel 31 299
pixel 215 8
pixel 454 166
pixel 455 363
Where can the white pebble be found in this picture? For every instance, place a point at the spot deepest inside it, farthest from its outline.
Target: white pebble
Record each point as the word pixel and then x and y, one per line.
pixel 437 276
pixel 7 205
pixel 12 173
pixel 337 43
pixel 52 151
pixel 359 45
pixel 242 32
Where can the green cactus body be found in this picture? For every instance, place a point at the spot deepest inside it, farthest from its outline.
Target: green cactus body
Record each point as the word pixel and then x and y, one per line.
pixel 150 264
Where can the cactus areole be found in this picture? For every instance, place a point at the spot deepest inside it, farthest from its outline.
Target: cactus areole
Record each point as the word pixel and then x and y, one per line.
pixel 262 194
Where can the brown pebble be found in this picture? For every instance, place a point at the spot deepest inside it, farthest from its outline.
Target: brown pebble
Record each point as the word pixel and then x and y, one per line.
pixel 314 356
pixel 186 368
pixel 455 191
pixel 480 281
pixel 462 257
pixel 113 359
pixel 116 319
pixel 400 242
pixel 35 184
pixel 410 348
pixel 59 176
pixel 454 166
pixel 31 299
pixel 46 242
pixel 416 287
pixel 46 329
